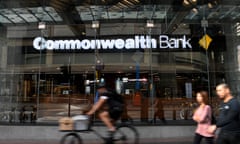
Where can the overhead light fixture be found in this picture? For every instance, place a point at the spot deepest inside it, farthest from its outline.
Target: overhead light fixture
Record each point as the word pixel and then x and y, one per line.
pixel 193 2
pixel 41 25
pixel 95 24
pixel 210 5
pixel 150 23
pixel 186 2
pixel 195 10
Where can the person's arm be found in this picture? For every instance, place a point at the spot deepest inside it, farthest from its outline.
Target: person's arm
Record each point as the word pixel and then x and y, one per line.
pixel 97 106
pixel 232 114
pixel 202 118
pixel 156 102
pixel 195 117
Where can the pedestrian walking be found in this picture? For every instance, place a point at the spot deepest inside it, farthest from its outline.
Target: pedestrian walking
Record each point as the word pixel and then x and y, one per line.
pixel 229 117
pixel 202 116
pixel 158 106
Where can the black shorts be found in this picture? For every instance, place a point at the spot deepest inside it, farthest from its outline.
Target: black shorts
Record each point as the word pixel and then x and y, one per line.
pixel 115 112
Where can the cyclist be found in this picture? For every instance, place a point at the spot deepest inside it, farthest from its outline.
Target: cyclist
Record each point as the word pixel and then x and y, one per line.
pixel 115 105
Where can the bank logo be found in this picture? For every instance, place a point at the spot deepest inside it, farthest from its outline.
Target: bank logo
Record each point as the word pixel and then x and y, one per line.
pixel 205 41
pixel 138 42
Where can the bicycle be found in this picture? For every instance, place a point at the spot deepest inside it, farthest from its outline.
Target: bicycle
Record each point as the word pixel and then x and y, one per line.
pixel 124 134
pixel 187 111
pixel 4 116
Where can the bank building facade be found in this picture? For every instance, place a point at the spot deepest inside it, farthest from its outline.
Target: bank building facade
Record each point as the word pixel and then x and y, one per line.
pixel 54 53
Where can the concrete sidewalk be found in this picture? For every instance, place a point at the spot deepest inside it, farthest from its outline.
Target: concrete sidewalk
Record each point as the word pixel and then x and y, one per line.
pixel 142 141
pixel 52 132
pixel 44 134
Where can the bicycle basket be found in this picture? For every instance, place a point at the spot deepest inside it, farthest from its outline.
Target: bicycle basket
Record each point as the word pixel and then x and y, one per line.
pixel 65 124
pixel 81 122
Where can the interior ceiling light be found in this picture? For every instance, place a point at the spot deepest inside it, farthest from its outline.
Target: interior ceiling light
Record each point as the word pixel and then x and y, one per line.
pixel 189 2
pixel 150 23
pixel 95 24
pixel 193 1
pixel 195 10
pixel 186 2
pixel 210 5
pixel 41 25
pixel 128 2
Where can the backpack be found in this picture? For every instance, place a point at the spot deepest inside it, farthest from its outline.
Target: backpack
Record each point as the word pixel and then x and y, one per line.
pixel 115 100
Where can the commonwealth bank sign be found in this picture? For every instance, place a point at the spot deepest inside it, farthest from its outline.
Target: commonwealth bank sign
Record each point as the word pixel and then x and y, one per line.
pixel 137 42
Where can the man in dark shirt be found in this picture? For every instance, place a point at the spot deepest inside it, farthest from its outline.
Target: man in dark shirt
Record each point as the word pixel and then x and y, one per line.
pixel 115 105
pixel 229 117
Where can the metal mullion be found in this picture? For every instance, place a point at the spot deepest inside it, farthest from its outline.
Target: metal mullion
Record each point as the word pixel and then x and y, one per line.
pixel 107 10
pixel 92 14
pixel 153 12
pixel 137 14
pixel 228 12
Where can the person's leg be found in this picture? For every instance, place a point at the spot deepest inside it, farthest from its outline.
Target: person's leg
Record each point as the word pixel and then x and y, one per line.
pixel 155 117
pixel 234 139
pixel 209 140
pixel 105 117
pixel 197 139
pixel 221 139
pixel 237 139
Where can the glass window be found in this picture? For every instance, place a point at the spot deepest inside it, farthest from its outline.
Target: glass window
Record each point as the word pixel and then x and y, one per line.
pixel 157 55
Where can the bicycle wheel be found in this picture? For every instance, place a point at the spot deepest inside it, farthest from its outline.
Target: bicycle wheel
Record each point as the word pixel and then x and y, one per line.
pixel 126 134
pixel 71 138
pixel 4 117
pixel 182 114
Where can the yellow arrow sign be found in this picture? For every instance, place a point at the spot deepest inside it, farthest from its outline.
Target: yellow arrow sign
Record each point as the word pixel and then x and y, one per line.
pixel 205 41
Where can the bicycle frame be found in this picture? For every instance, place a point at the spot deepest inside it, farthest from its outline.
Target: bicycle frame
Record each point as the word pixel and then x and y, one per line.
pixel 123 136
pixel 97 134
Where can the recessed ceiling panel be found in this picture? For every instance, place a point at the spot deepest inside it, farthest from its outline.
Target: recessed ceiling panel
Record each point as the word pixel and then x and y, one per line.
pixel 130 14
pixel 14 18
pixel 20 10
pixel 159 15
pixel 85 13
pixel 115 15
pixel 56 17
pixel 29 17
pixel 53 14
pixel 104 15
pixel 141 15
pixel 6 12
pixel 82 8
pixel 4 20
pixel 86 16
pixel 46 14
